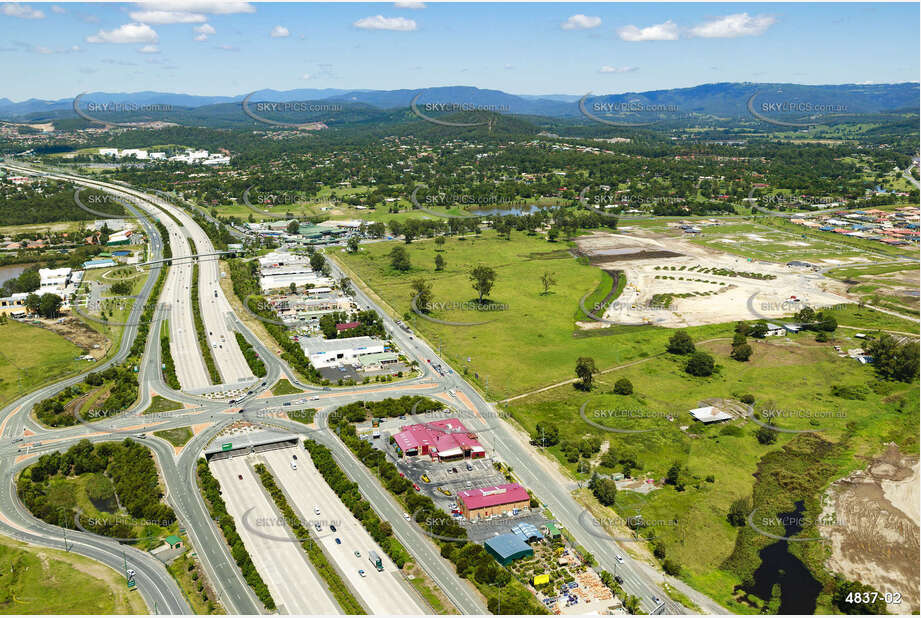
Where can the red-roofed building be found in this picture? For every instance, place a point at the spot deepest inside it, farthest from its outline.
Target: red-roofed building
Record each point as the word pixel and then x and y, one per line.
pixel 346 326
pixel 487 502
pixel 443 440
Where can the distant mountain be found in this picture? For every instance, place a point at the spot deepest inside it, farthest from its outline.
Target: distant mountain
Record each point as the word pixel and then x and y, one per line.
pixel 721 100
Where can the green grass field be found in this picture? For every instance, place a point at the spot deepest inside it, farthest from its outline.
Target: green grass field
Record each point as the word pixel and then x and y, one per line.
pixel 284 387
pixel 177 437
pixel 161 404
pixel 31 356
pixel 36 580
pixel 781 376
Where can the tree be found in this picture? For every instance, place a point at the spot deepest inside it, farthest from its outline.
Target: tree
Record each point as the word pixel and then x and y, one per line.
pixel 680 343
pixel 545 434
pixel 604 490
pixel 399 259
pixel 892 360
pixel 585 370
pixel 317 261
pixel 439 241
pixel 33 301
pixel 548 280
pixel 422 292
pixel 623 387
pixel 120 288
pixel 352 244
pixel 482 278
pixel 293 288
pixel 759 330
pixel 673 474
pixel 439 261
pixel 293 226
pixel 738 512
pixel 671 567
pixel 741 353
pixel 700 364
pixel 345 286
pixel 766 435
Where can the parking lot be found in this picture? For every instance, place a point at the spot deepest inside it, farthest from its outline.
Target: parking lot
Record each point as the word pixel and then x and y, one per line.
pixel 482 473
pixel 349 545
pixel 277 555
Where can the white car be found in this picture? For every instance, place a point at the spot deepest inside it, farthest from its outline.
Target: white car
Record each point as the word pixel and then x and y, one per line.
pixel 316 510
pixel 619 558
pixel 406 516
pixel 294 465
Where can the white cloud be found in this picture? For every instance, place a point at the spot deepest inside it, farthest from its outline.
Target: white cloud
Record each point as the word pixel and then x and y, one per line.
pixel 230 48
pixel 167 17
pixel 149 49
pixel 58 9
pixel 733 26
pixel 609 69
pixel 207 7
pixel 204 31
pixel 379 22
pixel 305 76
pixel 581 22
pixel 409 4
pixel 667 31
pixel 129 33
pixel 279 32
pixel 22 11
pixel 509 67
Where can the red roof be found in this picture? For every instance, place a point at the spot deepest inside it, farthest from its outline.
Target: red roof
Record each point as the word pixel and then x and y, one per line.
pixel 493 496
pixel 346 326
pixel 441 436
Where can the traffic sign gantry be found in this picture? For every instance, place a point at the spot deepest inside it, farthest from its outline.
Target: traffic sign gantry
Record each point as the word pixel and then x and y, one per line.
pixel 226 446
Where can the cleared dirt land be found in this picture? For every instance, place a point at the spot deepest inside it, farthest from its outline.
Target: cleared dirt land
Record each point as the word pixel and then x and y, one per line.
pixel 875 537
pixel 672 282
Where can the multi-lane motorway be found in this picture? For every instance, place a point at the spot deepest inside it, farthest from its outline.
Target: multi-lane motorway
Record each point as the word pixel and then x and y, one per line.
pixel 178 470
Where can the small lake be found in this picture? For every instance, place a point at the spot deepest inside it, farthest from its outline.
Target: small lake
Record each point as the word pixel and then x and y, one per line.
pixel 11 272
pixel 798 588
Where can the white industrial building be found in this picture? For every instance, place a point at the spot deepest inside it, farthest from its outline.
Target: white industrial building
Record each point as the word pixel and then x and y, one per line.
pixel 284 276
pixel 54 277
pixel 710 414
pixel 336 352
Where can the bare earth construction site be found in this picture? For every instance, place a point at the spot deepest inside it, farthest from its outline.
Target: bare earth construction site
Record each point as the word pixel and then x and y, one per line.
pixel 672 282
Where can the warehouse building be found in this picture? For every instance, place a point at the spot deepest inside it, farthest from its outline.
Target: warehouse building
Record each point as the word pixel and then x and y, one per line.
pixel 506 548
pixel 337 352
pixel 486 502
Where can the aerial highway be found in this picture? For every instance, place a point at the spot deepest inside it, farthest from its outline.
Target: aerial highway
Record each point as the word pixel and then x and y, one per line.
pixel 178 469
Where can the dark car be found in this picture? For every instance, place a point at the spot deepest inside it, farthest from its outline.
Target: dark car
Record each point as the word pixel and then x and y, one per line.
pixel 240 476
pixel 293 456
pixel 619 579
pixel 332 527
pixel 338 542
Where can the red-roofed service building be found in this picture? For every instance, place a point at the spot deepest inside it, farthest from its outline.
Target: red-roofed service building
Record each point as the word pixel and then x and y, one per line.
pixel 487 502
pixel 444 440
pixel 346 326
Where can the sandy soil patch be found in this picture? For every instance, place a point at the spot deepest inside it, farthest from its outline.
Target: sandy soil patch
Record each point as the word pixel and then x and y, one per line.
pixel 80 335
pixel 875 537
pixel 748 289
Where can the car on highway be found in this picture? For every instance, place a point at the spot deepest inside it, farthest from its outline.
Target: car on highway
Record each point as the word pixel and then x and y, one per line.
pixel 406 516
pixel 316 510
pixel 619 558
pixel 362 572
pixel 338 541
pixel 314 398
pixel 656 600
pixel 357 554
pixel 15 440
pixel 332 527
pixel 294 457
pixel 416 487
pixel 294 465
pixel 619 579
pixel 240 476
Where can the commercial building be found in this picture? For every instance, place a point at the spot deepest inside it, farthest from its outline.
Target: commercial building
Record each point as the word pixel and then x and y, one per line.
pixel 442 440
pixel 486 502
pixel 376 362
pixel 101 263
pixel 54 277
pixel 336 352
pixel 506 548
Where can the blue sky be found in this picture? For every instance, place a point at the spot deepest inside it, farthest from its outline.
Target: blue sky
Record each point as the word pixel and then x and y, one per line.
pixel 232 47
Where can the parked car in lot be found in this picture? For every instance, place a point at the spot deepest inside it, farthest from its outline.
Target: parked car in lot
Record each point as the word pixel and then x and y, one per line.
pixel 416 487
